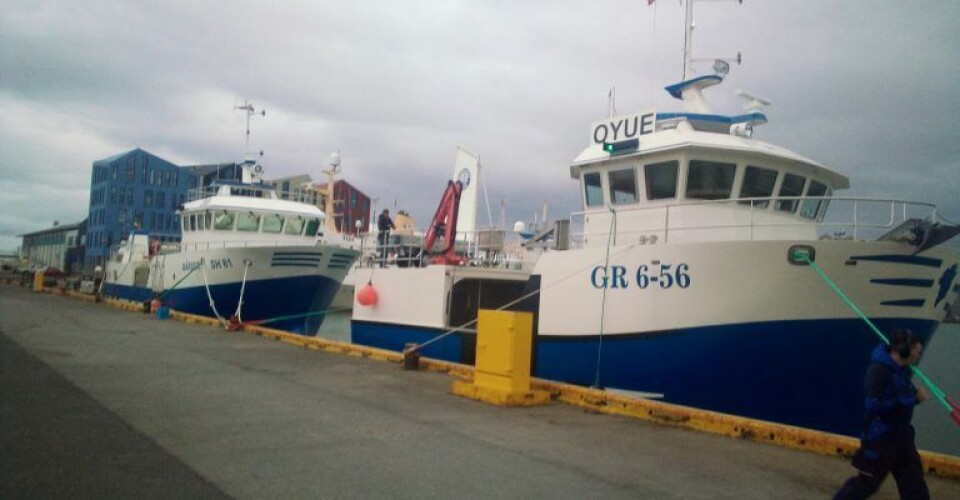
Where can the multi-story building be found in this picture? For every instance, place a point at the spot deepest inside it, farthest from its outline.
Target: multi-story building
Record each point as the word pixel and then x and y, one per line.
pixel 133 190
pixel 351 208
pixel 60 246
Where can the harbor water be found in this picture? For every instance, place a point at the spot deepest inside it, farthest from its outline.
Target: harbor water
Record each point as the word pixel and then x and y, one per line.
pixel 935 430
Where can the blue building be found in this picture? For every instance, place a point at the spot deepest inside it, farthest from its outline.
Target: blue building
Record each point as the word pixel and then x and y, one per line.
pixel 133 190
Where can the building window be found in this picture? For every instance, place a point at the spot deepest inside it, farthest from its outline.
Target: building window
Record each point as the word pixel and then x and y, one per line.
pixel 160 199
pixel 144 175
pixel 129 196
pixel 131 173
pixel 148 198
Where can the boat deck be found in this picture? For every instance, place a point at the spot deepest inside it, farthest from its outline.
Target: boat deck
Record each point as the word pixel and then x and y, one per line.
pixel 108 402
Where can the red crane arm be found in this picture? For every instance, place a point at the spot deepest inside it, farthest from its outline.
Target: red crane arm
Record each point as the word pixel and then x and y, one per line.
pixel 445 222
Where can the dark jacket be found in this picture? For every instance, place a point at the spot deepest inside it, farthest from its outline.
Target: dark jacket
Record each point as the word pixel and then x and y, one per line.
pixel 890 398
pixel 384 223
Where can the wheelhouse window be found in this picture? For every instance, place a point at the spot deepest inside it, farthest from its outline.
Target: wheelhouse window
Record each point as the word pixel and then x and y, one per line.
pixel 193 222
pixel 710 180
pixel 248 221
pixel 272 223
pixel 758 183
pixel 312 226
pixel 623 186
pixel 792 186
pixel 809 209
pixel 592 190
pixel 661 180
pixel 294 225
pixel 223 220
pixel 207 220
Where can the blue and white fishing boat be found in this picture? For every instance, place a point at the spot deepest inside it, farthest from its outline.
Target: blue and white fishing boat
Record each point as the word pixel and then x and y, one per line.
pixel 681 277
pixel 245 254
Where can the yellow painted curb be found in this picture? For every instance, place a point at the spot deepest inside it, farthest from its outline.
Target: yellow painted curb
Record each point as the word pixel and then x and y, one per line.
pixel 322 344
pixel 500 397
pixel 728 425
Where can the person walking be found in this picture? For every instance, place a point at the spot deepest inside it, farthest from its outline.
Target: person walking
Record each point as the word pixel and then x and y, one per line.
pixel 887 443
pixel 384 225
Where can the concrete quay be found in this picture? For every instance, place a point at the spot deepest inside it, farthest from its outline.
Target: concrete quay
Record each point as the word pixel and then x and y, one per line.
pixel 97 402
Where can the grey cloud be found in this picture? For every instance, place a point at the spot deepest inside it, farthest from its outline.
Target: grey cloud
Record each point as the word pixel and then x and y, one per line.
pixel 865 87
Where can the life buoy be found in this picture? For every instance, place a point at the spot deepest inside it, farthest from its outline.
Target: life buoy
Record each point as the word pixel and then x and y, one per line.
pixel 367 296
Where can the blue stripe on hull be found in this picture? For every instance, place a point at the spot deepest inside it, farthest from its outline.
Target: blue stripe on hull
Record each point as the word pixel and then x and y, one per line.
pixel 393 337
pixel 804 373
pixel 263 299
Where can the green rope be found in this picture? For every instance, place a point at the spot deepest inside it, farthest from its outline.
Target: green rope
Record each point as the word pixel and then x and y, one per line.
pixel 804 256
pixel 294 316
pixel 603 300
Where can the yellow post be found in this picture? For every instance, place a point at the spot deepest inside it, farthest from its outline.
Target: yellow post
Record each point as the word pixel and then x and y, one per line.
pixel 38 281
pixel 502 373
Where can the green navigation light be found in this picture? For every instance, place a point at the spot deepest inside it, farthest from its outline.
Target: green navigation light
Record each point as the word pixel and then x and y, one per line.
pixel 621 146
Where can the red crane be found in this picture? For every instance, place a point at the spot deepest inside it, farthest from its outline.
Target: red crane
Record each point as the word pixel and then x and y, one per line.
pixel 445 224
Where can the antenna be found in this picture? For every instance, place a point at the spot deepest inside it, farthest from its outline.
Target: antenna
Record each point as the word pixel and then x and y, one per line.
pixel 721 65
pixel 755 103
pixel 248 107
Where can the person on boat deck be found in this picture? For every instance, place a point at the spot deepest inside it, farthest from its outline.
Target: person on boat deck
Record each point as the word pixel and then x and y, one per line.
pixel 384 225
pixel 887 441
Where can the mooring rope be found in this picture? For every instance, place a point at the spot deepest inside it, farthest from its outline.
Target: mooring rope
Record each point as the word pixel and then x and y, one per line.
pixel 206 285
pixel 518 300
pixel 243 287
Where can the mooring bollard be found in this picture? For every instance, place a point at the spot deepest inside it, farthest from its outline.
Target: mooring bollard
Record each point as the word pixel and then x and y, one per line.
pixel 411 357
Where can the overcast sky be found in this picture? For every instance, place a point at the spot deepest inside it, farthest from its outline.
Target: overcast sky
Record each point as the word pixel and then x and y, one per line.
pixel 867 87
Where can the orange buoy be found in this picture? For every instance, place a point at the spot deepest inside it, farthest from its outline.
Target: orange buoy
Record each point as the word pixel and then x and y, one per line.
pixel 367 296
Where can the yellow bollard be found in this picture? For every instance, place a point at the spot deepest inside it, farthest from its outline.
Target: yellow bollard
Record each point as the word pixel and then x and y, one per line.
pixel 502 373
pixel 38 281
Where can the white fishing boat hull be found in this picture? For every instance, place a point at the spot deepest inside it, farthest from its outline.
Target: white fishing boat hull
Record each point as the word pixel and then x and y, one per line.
pixel 289 287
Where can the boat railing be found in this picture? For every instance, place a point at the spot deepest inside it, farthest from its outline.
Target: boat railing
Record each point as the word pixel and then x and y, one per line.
pixel 754 219
pixel 221 244
pixel 301 195
pixel 490 248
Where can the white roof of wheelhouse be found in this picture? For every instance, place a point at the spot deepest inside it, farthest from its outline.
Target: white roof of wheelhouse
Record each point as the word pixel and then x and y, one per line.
pixel 240 203
pixel 678 139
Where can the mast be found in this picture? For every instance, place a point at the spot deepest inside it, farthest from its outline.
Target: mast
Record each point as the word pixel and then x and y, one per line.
pixel 688 40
